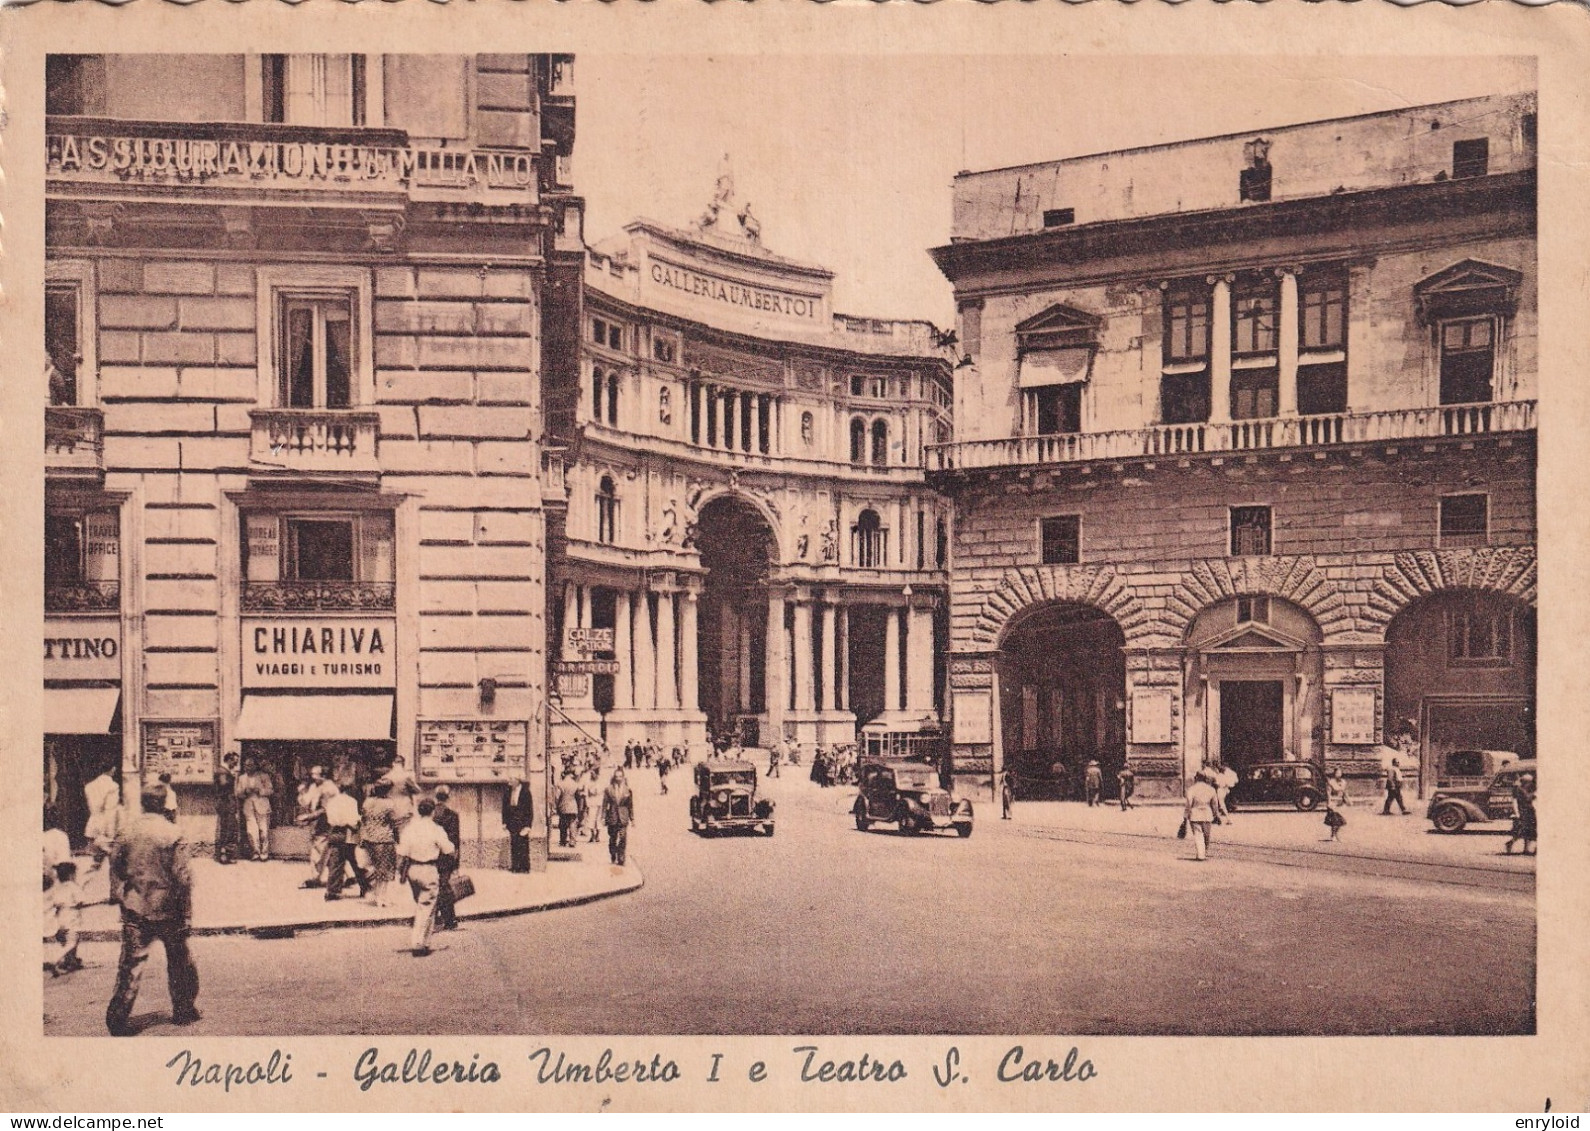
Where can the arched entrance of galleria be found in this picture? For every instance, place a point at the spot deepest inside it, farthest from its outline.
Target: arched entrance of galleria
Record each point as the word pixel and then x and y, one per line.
pixel 736 545
pixel 1062 670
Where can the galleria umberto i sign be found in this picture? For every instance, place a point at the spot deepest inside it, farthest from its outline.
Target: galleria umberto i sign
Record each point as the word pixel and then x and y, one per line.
pixel 698 284
pixel 225 162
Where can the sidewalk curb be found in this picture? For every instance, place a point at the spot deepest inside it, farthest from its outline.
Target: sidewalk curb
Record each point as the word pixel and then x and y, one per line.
pixel 289 928
pixel 1316 851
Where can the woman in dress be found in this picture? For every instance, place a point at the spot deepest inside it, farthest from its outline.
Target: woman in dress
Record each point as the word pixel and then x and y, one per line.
pixel 1524 815
pixel 1335 801
pixel 378 834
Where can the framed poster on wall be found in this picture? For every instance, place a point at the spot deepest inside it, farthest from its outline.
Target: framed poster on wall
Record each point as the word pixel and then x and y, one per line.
pixel 1353 716
pixel 1153 715
pixel 182 748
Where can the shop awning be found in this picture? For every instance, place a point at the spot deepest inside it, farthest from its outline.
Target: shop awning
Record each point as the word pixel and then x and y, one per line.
pixel 332 717
pixel 80 710
pixel 1054 367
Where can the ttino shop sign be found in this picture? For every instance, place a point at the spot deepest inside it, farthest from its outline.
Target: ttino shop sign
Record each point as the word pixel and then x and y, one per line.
pixel 319 652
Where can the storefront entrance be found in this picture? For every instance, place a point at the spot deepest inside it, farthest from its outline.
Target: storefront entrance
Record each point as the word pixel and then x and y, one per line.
pixel 1252 726
pixel 352 765
pixel 71 761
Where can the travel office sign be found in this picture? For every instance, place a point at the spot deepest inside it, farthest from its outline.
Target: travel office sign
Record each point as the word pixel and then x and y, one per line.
pixel 276 164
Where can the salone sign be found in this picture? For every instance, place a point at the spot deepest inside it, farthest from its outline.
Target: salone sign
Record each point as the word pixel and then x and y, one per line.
pixel 162 160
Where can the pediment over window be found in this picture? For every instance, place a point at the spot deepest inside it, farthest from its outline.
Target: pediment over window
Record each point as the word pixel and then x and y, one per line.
pixel 1252 638
pixel 1467 288
pixel 1059 327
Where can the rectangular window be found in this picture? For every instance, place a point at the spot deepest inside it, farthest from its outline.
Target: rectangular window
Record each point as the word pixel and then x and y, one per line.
pixel 314 90
pixel 1479 636
pixel 858 386
pixel 1254 393
pixel 921 540
pixel 615 337
pixel 1061 538
pixel 1254 183
pixel 74 84
pixel 1471 158
pixel 880 387
pixel 319 547
pixel 1250 531
pixel 1055 409
pixel 63 549
pixel 1059 217
pixel 1322 313
pixel 315 358
pixel 1253 320
pixel 1465 520
pixel 1253 610
pixel 1468 358
pixel 1186 325
pixel 1321 389
pixel 62 343
pixel 599 331
pixel 1184 398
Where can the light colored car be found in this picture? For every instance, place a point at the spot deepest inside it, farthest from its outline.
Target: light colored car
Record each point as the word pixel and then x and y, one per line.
pixel 1454 809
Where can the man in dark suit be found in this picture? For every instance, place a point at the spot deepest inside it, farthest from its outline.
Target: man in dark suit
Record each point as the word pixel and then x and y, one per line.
pixel 151 880
pixel 447 863
pixel 517 813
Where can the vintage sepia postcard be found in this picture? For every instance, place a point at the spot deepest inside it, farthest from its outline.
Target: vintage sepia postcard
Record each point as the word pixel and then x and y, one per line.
pixel 671 558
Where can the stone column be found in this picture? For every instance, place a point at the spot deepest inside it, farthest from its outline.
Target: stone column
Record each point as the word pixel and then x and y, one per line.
pixel 1286 396
pixel 689 649
pixel 743 657
pixel 777 668
pixel 891 661
pixel 1220 353
pixel 753 438
pixel 919 661
pixel 830 686
pixel 843 698
pixel 801 656
pixel 645 654
pixel 667 653
pixel 624 652
pixel 571 615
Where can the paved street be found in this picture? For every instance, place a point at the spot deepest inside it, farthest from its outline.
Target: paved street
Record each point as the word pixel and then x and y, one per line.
pixel 1027 927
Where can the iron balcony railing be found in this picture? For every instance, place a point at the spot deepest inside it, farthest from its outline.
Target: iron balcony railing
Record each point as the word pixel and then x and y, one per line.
pixel 319 596
pixel 1171 440
pixel 74 438
pixel 82 596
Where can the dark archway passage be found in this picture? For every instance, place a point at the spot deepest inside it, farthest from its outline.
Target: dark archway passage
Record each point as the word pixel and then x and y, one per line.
pixel 736 545
pixel 1062 691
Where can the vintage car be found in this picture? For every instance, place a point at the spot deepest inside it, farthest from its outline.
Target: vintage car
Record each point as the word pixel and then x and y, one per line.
pixel 725 800
pixel 1278 783
pixel 908 795
pixel 1455 808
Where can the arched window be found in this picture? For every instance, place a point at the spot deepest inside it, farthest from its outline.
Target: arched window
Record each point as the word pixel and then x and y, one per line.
pixel 869 542
pixel 606 511
pixel 858 440
pixel 598 393
pixel 880 442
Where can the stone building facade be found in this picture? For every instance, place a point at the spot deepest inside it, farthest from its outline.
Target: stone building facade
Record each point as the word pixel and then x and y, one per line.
pixel 294 507
pixel 751 547
pixel 1244 452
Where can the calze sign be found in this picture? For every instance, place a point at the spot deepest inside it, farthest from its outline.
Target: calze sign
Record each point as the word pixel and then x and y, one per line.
pixel 319 652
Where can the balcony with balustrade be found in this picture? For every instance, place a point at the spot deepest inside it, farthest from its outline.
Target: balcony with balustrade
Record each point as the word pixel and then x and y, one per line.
pixel 74 441
pixel 315 441
pixel 319 596
pixel 1184 441
pixel 80 596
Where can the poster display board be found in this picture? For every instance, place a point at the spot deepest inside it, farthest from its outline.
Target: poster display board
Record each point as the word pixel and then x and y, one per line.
pixel 184 749
pixel 471 750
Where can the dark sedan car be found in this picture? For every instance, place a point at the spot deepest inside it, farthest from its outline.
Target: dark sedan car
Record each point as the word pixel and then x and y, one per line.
pixel 1298 784
pixel 908 795
pixel 725 800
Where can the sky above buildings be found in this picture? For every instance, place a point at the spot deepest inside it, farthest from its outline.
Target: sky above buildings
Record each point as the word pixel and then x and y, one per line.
pixel 847 160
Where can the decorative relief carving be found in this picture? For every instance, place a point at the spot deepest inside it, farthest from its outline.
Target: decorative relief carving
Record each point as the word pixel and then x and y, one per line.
pixel 1292 578
pixel 1509 570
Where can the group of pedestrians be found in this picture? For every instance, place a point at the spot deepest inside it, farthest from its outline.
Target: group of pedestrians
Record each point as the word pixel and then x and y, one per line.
pixel 583 807
pixel 834 765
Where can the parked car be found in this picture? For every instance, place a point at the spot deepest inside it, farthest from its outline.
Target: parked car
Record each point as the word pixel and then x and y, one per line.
pixel 908 795
pixel 1453 809
pixel 1470 769
pixel 1278 783
pixel 725 800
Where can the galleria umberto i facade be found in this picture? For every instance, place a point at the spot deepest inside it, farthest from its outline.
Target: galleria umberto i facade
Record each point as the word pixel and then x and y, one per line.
pixel 357 448
pixel 751 547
